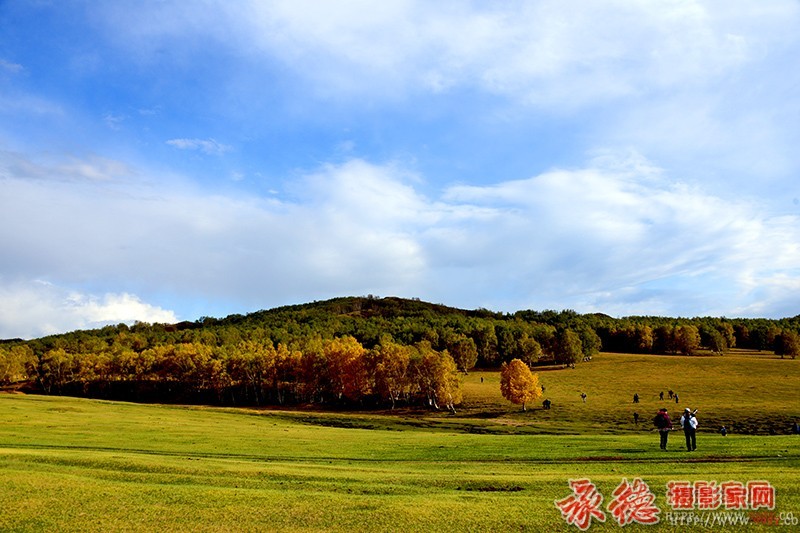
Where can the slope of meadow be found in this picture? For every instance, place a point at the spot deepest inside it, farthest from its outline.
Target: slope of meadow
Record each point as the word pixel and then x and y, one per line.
pixel 81 465
pixel 749 392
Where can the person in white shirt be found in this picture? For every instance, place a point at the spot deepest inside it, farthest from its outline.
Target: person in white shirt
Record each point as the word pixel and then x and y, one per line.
pixel 689 425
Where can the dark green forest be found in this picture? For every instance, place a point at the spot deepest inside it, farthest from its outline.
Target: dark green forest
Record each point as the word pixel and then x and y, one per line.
pixel 354 351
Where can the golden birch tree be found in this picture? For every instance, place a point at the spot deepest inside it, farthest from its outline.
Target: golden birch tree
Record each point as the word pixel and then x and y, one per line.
pixel 518 384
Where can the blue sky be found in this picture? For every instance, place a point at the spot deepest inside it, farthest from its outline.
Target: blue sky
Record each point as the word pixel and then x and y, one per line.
pixel 167 160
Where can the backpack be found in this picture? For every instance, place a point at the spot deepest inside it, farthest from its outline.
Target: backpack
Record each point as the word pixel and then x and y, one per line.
pixel 660 421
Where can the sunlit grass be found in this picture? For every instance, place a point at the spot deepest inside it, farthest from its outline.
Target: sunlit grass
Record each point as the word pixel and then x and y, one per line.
pixel 746 393
pixel 81 465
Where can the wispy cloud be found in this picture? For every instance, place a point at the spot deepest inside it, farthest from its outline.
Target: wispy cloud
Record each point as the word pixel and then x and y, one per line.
pixel 683 81
pixel 613 156
pixel 616 230
pixel 113 121
pixel 18 166
pixel 569 53
pixel 8 66
pixel 208 146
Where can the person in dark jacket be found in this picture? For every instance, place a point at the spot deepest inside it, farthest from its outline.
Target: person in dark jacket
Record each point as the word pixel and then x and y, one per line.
pixel 664 426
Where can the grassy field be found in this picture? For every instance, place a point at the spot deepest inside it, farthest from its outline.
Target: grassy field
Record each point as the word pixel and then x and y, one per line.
pixel 81 465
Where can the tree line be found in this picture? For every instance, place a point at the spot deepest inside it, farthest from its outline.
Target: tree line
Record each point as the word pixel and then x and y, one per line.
pixel 352 351
pixel 337 371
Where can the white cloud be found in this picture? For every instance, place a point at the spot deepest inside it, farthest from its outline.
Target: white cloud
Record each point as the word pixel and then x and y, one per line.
pixel 209 146
pixel 93 168
pixel 706 86
pixel 565 52
pixel 600 233
pixel 703 85
pixel 617 236
pixel 331 240
pixel 36 308
pixel 705 89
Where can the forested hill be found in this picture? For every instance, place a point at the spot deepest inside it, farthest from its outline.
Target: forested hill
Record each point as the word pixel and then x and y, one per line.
pixel 363 307
pixel 381 349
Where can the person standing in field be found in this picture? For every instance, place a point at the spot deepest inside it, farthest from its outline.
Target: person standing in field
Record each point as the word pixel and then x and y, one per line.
pixel 689 425
pixel 583 397
pixel 636 418
pixel 661 395
pixel 664 426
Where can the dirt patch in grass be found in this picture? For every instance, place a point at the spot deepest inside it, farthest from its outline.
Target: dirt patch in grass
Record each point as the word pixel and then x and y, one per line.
pixel 492 488
pixel 601 458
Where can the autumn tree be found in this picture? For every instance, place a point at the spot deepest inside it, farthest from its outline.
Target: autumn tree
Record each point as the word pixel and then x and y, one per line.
pixel 15 363
pixel 435 375
pixel 762 336
pixel 390 362
pixel 56 369
pixel 313 373
pixel 252 365
pixel 726 330
pixel 463 351
pixel 347 372
pixel 518 384
pixel 448 384
pixel 687 339
pixel 664 339
pixel 643 338
pixel 125 364
pixel 288 371
pixel 787 343
pixel 741 335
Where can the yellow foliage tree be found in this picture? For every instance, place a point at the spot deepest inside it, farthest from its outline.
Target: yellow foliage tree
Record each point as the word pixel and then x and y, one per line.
pixel 518 384
pixel 391 362
pixel 347 370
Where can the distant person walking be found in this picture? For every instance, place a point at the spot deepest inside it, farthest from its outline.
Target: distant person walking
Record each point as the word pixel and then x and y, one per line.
pixel 661 395
pixel 676 398
pixel 689 425
pixel 583 397
pixel 664 426
pixel 671 393
pixel 636 398
pixel 636 418
pixel 546 404
pixel 723 431
pixel 796 428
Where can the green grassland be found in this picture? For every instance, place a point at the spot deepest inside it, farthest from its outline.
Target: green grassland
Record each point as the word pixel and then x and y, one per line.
pixel 71 464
